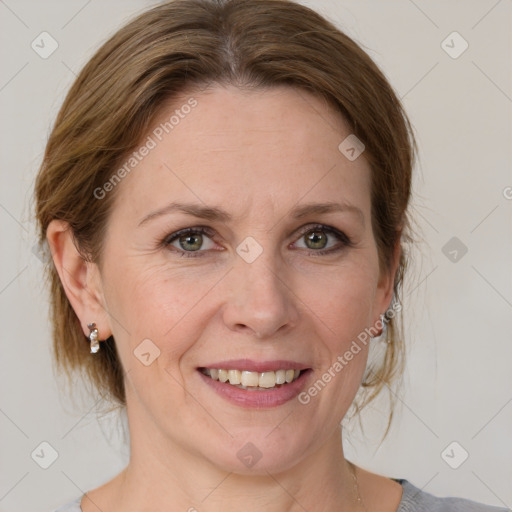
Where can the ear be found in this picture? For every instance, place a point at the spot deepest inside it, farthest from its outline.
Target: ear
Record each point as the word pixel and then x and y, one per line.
pixel 80 279
pixel 385 286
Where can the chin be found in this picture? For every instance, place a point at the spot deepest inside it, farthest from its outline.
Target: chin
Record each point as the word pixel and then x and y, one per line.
pixel 259 452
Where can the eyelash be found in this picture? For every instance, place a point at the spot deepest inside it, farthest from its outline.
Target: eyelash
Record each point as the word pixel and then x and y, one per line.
pixel 203 230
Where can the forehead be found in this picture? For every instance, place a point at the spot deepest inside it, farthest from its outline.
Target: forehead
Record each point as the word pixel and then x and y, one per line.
pixel 240 148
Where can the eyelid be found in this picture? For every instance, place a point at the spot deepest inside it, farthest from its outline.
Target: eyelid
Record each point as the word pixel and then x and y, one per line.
pixel 193 229
pixel 321 227
pixel 202 230
pixel 340 235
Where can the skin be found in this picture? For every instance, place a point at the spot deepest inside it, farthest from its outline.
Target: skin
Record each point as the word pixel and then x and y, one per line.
pixel 257 155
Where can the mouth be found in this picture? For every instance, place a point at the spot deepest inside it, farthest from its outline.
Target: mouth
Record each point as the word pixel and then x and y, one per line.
pixel 256 384
pixel 253 381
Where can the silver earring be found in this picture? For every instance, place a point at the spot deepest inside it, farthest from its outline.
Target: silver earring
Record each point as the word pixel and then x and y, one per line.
pixel 93 338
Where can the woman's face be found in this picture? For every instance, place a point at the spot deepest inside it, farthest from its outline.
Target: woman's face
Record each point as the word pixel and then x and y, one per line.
pixel 268 279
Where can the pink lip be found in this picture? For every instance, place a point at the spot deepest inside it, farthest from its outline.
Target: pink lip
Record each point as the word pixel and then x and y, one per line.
pixel 256 366
pixel 258 399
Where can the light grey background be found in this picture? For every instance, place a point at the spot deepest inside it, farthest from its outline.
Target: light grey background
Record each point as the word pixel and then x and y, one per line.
pixel 458 384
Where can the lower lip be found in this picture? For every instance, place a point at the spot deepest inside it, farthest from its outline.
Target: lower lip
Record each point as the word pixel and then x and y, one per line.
pixel 258 399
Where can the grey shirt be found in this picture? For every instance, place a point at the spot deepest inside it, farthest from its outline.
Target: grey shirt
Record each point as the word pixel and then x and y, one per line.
pixel 413 500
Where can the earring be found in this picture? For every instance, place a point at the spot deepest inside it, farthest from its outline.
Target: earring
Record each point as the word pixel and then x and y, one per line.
pixel 382 335
pixel 93 338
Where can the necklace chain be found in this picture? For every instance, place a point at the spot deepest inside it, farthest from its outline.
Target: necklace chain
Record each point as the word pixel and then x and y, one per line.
pixel 356 486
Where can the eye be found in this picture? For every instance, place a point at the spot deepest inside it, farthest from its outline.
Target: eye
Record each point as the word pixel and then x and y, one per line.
pixel 323 239
pixel 191 240
pixel 318 239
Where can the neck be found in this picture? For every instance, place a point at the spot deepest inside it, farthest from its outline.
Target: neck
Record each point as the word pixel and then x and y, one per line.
pixel 157 479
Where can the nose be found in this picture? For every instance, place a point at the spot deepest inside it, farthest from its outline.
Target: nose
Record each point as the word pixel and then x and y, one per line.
pixel 261 300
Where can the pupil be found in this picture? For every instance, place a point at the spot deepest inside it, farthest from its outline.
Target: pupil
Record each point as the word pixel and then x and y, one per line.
pixel 190 239
pixel 317 239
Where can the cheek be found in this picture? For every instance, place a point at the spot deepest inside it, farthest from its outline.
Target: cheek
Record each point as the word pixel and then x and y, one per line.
pixel 341 299
pixel 342 308
pixel 152 302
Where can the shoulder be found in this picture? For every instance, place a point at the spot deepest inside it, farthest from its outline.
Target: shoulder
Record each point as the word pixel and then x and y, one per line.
pixel 416 500
pixel 73 506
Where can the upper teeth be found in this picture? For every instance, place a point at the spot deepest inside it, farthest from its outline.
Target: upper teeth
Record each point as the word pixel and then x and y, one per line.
pixel 253 379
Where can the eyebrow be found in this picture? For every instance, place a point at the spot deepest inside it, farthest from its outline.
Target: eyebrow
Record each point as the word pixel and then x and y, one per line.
pixel 218 214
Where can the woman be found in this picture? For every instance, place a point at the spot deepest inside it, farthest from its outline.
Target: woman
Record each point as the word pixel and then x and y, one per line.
pixel 225 197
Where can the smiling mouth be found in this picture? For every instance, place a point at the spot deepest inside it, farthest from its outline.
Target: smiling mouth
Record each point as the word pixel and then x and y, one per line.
pixel 253 381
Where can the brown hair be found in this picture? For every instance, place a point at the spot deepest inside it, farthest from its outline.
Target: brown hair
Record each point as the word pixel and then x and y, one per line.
pixel 187 43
